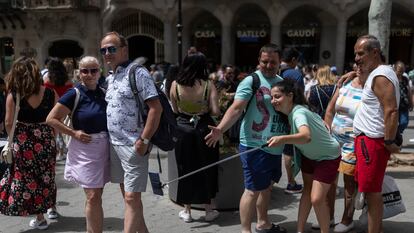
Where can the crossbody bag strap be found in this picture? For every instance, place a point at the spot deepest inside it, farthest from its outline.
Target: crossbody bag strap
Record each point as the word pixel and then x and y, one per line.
pixel 319 97
pixel 75 104
pixel 206 91
pixel 16 113
pixel 177 92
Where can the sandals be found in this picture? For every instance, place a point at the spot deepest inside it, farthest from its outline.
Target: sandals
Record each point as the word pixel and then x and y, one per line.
pixel 274 229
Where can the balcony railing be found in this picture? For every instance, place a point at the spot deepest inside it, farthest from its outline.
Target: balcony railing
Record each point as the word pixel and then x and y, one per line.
pixel 54 4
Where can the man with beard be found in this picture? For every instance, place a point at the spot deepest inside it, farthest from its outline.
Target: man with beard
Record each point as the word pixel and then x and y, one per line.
pixel 261 167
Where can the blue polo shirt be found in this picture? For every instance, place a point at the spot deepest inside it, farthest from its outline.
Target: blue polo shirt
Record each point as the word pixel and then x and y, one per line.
pixel 90 114
pixel 294 75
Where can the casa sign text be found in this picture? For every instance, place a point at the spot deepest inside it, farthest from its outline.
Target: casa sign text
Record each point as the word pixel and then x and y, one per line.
pixel 204 34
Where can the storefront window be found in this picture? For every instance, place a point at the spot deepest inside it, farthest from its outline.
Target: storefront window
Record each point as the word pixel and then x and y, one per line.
pixel 206 36
pixel 401 36
pixel 302 33
pixel 357 26
pixel 6 55
pixel 252 32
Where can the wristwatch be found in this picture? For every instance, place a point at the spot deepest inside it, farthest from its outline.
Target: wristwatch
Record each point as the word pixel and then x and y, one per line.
pixel 389 142
pixel 144 140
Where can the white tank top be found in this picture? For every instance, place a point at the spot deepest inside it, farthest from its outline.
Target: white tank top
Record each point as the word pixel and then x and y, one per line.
pixel 369 118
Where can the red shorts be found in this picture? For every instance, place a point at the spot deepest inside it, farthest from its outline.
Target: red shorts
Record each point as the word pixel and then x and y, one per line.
pixel 372 158
pixel 324 171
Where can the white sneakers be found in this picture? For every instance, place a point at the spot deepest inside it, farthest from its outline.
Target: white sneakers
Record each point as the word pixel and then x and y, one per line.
pixel 185 216
pixel 41 225
pixel 210 216
pixel 342 228
pixel 52 213
pixel 316 226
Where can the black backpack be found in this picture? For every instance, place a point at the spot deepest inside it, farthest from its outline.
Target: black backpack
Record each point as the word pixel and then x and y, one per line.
pixel 167 133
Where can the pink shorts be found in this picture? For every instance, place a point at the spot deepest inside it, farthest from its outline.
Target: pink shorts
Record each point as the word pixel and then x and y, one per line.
pixel 372 158
pixel 324 171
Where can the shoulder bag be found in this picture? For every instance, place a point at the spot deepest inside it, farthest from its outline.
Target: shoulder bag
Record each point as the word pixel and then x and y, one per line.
pixel 7 151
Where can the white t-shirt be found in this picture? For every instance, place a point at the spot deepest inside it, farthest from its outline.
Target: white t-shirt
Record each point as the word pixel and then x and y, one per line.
pixel 369 118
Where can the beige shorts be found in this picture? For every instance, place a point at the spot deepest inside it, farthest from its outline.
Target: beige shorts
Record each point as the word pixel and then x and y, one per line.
pixel 129 168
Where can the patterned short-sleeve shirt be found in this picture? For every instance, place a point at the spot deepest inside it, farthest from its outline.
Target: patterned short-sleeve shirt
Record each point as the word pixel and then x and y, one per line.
pixel 122 111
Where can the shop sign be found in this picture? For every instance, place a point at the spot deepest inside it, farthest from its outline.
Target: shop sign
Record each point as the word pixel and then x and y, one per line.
pixel 398 32
pixel 205 34
pixel 251 33
pixel 301 32
pixel 356 32
pixel 402 32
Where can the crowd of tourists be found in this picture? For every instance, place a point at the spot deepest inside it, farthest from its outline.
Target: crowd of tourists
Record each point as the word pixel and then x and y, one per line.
pixel 321 124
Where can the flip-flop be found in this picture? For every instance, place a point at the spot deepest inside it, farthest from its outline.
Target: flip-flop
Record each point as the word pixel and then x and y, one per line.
pixel 274 229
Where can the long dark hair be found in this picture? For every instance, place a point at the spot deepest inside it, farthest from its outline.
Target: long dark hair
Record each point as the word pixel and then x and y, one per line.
pixel 290 86
pixel 57 72
pixel 194 68
pixel 170 77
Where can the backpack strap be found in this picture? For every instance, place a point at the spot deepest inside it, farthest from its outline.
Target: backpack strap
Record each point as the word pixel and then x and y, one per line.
pixel 255 87
pixel 133 84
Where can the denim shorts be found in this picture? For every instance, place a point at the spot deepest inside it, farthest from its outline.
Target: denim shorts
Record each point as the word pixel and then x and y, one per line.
pixel 260 168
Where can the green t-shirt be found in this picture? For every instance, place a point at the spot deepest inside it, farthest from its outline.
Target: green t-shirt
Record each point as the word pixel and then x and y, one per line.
pixel 261 121
pixel 322 145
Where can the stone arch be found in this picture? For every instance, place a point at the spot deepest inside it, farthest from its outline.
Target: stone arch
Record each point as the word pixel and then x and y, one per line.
pixel 137 25
pixel 64 48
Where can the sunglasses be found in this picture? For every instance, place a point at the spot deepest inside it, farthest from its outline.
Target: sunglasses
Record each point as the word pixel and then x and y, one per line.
pixel 109 49
pixel 91 71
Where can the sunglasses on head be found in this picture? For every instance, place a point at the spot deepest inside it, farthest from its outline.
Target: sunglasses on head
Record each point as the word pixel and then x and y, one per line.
pixel 110 49
pixel 91 71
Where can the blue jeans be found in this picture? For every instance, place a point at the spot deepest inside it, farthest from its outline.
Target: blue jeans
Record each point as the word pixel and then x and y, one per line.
pixel 403 121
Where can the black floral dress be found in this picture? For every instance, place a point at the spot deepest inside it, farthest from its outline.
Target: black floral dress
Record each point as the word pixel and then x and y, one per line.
pixel 28 186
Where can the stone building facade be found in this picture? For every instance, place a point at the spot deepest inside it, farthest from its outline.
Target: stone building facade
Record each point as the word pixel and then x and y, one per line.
pixel 227 31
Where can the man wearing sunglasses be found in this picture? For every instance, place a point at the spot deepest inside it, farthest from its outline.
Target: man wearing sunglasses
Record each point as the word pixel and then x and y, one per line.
pixel 129 166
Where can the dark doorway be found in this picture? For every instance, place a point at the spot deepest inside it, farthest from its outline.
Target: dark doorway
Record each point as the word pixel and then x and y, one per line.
pixel 65 48
pixel 206 36
pixel 303 33
pixel 6 54
pixel 142 46
pixel 252 31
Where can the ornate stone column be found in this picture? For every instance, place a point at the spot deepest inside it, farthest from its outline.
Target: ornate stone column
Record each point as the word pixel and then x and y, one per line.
pixel 169 37
pixel 227 45
pixel 340 44
pixel 379 20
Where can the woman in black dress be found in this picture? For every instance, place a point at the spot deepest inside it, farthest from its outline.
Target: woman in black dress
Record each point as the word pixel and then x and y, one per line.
pixel 194 98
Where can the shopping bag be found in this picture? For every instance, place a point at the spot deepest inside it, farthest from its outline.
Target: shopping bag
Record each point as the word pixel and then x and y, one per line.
pixel 392 200
pixel 7 154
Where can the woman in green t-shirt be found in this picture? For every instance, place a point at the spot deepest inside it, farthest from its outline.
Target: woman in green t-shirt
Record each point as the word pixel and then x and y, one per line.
pixel 320 151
